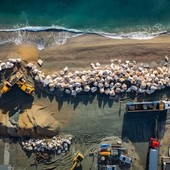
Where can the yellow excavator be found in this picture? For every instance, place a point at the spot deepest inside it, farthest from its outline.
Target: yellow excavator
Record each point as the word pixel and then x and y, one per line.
pixel 16 79
pixel 6 86
pixel 77 161
pixel 24 86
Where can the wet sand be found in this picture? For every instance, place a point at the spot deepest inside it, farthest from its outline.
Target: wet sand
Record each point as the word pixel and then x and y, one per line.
pixel 80 51
pixel 93 116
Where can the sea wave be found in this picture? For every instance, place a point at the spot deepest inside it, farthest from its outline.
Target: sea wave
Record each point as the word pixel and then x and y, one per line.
pixel 57 35
pixel 40 28
pixel 122 35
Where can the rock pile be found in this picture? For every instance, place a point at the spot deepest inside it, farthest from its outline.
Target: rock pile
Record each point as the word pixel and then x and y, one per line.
pixel 58 144
pixel 118 77
pixel 9 64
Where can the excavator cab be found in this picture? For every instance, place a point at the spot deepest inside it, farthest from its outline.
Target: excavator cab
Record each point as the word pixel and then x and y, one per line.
pixel 77 161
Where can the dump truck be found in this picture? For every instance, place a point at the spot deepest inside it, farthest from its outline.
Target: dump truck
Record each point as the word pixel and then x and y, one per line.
pixel 77 161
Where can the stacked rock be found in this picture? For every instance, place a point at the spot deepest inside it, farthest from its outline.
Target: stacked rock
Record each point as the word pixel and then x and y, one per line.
pixel 9 64
pixel 118 77
pixel 58 144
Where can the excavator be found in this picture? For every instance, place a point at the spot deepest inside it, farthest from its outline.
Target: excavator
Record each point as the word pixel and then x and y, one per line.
pixel 24 86
pixel 16 78
pixel 77 161
pixel 5 87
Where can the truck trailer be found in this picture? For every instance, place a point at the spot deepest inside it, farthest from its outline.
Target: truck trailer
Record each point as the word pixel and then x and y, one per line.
pixel 153 159
pixel 153 154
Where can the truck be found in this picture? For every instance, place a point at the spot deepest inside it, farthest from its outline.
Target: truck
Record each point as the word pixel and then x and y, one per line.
pixel 153 154
pixel 153 159
pixel 151 106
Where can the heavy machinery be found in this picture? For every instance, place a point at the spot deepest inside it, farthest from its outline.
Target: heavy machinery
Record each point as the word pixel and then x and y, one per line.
pixel 16 78
pixel 6 86
pixel 24 86
pixel 154 145
pixel 110 156
pixel 77 161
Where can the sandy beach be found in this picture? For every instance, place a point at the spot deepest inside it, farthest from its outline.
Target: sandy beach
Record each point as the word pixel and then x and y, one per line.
pixel 82 115
pixel 79 52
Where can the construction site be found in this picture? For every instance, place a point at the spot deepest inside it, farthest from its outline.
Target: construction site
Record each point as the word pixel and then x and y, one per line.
pixel 48 129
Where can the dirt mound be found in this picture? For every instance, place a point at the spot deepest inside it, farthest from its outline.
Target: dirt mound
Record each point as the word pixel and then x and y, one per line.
pixel 28 52
pixel 37 122
pixel 33 122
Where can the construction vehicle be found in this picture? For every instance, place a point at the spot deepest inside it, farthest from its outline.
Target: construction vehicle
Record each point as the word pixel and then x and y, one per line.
pixel 77 161
pixel 9 82
pixel 24 86
pixel 6 86
pixel 110 156
pixel 16 78
pixel 153 153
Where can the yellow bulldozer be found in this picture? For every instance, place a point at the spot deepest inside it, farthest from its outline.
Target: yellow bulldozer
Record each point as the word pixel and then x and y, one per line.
pixel 16 78
pixel 77 161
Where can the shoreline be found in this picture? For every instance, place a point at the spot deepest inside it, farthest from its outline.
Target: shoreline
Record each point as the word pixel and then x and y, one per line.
pixel 83 114
pixel 79 52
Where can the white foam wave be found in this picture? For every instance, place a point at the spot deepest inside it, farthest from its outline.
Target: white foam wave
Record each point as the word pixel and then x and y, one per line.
pixel 58 35
pixel 40 28
pixel 131 35
pixel 140 35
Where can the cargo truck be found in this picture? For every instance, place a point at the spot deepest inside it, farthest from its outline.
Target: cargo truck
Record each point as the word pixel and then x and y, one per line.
pixel 153 154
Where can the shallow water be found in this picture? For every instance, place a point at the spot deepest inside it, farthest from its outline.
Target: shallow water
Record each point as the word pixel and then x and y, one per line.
pixel 88 14
pixel 113 19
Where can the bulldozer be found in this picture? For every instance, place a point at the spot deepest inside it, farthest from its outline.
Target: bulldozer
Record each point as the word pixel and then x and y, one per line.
pixel 77 161
pixel 16 78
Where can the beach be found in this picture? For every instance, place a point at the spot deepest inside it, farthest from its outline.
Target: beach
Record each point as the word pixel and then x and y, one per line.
pixel 80 51
pixel 68 70
pixel 89 117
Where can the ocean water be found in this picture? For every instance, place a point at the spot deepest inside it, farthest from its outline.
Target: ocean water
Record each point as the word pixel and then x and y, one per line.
pixel 111 18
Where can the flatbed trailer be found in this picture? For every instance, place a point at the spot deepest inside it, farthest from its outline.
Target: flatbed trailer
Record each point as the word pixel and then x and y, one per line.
pixel 147 106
